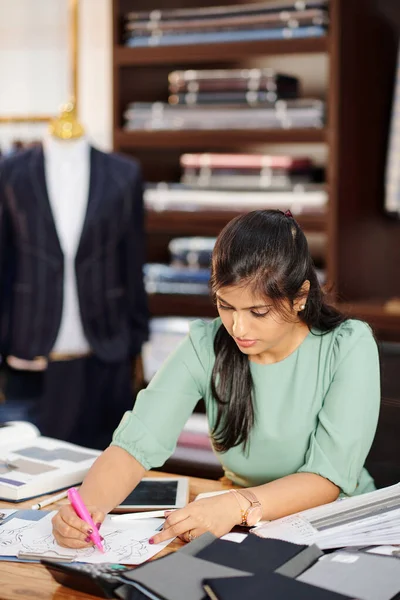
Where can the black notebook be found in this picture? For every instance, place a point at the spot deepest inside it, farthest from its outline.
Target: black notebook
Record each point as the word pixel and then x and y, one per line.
pixel 272 586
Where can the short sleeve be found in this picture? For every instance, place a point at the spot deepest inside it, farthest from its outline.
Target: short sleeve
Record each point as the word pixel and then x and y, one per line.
pixel 150 431
pixel 348 419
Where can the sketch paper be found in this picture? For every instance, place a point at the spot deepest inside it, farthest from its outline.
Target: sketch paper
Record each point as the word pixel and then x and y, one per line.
pixel 125 542
pixel 5 513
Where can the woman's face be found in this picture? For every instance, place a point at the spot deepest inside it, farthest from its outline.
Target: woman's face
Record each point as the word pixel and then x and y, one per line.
pixel 257 328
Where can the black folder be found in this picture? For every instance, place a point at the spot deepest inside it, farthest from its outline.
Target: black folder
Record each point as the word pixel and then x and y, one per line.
pixel 261 555
pixel 272 587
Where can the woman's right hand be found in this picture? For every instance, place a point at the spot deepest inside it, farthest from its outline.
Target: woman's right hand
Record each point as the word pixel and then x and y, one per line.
pixel 70 531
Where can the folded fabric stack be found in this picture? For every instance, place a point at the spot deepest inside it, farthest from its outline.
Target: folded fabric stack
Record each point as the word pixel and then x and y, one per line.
pixel 246 22
pixel 228 99
pixel 300 199
pixel 301 113
pixel 247 171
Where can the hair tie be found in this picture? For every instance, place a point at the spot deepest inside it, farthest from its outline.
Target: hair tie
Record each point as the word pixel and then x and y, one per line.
pixel 288 214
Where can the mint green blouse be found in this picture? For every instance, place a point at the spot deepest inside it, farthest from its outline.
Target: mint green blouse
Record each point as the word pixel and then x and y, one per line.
pixel 316 410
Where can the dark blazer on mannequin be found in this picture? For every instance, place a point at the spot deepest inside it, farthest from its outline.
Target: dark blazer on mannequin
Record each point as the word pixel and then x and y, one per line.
pixel 108 263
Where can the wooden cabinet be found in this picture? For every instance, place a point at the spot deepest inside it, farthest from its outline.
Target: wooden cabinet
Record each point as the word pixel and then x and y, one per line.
pixel 363 251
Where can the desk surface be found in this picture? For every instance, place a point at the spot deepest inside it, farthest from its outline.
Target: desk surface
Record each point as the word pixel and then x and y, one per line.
pixel 30 581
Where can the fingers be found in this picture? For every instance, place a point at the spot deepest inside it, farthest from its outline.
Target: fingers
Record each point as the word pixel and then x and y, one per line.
pixel 73 543
pixel 192 534
pixel 68 525
pixel 98 518
pixel 172 530
pixel 175 516
pixel 70 531
pixel 177 523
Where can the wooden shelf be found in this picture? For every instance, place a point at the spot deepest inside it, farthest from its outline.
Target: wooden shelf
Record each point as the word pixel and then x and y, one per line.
pixel 362 243
pixel 210 223
pixel 169 305
pixel 385 323
pixel 217 138
pixel 230 51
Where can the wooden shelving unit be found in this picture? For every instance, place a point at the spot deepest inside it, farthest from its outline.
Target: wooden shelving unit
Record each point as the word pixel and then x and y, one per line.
pixel 194 54
pixel 384 321
pixel 180 223
pixel 215 138
pixel 164 305
pixel 363 244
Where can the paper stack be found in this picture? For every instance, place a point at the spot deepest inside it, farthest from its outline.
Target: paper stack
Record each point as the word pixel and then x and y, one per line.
pixel 371 519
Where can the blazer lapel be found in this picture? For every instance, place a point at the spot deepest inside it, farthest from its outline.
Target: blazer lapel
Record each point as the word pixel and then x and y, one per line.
pixel 39 186
pixel 96 189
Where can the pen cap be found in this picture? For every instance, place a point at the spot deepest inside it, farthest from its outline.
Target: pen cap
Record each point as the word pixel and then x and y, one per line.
pixel 72 493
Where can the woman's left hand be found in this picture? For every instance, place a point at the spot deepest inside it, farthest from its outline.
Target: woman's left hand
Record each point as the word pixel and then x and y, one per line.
pixel 217 514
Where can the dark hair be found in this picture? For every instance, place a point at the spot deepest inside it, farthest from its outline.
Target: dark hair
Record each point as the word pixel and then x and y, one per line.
pixel 267 250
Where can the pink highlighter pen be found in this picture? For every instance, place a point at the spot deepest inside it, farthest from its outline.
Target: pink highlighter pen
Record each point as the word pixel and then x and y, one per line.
pixel 83 513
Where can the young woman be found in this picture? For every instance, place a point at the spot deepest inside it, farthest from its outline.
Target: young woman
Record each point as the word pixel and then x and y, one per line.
pixel 291 389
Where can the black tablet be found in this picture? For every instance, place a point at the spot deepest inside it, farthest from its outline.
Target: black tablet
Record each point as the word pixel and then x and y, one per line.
pixel 157 493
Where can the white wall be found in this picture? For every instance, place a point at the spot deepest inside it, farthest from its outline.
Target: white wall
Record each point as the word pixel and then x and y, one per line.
pixel 95 74
pixel 34 72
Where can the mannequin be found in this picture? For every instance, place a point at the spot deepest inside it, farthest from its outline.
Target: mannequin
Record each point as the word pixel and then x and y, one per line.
pixel 67 171
pixel 73 309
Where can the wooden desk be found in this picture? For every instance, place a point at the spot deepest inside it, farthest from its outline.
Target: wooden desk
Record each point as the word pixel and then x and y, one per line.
pixel 30 581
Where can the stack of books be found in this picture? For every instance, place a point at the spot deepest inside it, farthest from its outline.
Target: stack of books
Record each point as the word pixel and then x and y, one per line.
pixel 218 24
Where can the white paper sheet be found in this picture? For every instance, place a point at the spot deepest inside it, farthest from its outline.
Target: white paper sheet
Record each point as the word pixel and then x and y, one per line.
pixel 6 512
pixel 234 537
pixel 125 542
pixel 294 529
pixel 365 520
pixel 385 550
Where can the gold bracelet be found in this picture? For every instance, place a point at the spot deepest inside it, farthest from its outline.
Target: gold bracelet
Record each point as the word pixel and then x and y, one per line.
pixel 242 512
